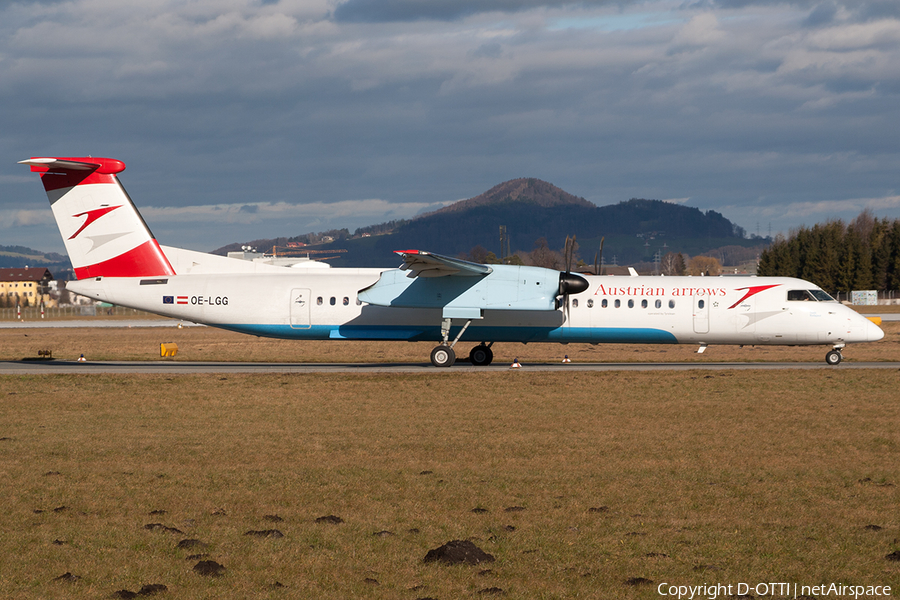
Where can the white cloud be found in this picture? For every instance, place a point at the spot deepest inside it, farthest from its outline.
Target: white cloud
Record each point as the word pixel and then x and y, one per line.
pixel 10 219
pixel 702 30
pixel 270 212
pixel 884 33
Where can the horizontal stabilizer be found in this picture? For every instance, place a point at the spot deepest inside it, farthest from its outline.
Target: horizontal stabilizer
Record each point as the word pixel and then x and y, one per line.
pixel 428 264
pixel 105 166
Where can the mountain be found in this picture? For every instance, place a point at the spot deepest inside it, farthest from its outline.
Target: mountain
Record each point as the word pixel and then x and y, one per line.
pixel 530 209
pixel 524 191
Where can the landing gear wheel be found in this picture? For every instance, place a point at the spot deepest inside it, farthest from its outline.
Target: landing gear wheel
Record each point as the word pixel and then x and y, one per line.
pixel 481 355
pixel 443 356
pixel 833 358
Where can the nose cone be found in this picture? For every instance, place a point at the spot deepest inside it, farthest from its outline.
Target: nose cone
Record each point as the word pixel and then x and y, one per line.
pixel 570 283
pixel 873 332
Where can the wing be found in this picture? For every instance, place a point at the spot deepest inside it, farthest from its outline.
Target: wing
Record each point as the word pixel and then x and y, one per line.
pixel 428 264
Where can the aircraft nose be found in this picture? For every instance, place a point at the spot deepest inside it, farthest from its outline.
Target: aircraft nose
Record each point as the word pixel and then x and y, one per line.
pixel 873 332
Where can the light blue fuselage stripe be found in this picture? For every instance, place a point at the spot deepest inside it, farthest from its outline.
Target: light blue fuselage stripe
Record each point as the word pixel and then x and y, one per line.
pixel 621 335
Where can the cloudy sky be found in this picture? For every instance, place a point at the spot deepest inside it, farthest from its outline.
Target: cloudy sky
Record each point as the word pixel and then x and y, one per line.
pixel 241 119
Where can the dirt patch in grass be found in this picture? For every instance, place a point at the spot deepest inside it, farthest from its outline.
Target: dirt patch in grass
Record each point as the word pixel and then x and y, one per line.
pixel 458 552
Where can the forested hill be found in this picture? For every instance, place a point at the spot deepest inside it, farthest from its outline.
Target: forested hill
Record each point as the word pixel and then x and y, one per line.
pixel 22 256
pixel 531 209
pixel 524 190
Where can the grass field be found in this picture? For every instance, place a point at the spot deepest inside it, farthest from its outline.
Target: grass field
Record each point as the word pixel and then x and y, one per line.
pixel 685 478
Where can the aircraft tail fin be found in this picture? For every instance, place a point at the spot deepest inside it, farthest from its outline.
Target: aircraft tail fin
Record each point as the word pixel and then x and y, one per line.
pixel 104 234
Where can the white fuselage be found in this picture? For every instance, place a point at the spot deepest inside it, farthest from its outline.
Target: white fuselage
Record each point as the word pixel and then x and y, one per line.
pixel 324 304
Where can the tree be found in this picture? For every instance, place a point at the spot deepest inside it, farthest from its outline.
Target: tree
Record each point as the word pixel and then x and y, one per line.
pixel 543 256
pixel 476 254
pixel 839 257
pixel 704 265
pixel 672 264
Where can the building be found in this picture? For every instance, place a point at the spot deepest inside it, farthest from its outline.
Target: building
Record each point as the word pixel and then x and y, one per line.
pixel 25 287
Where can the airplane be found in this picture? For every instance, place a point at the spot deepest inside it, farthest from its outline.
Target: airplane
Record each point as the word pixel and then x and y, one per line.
pixel 430 297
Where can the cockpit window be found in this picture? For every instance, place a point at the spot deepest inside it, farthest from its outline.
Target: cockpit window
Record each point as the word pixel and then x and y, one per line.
pixel 799 296
pixel 822 296
pixel 808 296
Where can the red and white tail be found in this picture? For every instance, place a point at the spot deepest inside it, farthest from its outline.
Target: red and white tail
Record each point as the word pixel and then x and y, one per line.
pixel 103 231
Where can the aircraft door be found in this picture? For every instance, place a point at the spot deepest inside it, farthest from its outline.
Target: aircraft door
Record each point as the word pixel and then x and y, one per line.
pixel 300 300
pixel 701 313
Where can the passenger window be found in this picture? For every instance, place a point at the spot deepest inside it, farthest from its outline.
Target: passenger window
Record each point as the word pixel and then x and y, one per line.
pixel 671 304
pixel 346 301
pixel 618 303
pixel 604 303
pixel 700 303
pixel 590 303
pixel 319 300
pixel 643 304
pixel 630 303
pixel 574 303
pixel 658 303
pixel 333 301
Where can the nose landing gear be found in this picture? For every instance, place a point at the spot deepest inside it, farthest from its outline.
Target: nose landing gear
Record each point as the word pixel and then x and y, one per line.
pixel 834 357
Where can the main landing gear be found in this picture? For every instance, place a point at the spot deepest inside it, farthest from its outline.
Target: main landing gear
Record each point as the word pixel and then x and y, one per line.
pixel 481 355
pixel 444 356
pixel 835 357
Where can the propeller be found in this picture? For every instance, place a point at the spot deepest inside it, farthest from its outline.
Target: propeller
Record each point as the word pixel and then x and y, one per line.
pixel 569 283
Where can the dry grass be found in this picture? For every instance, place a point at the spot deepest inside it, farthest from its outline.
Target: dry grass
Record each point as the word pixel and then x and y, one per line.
pixel 209 344
pixel 732 477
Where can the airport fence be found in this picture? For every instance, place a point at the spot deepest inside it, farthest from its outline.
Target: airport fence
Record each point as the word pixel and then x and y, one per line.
pixel 885 297
pixel 36 313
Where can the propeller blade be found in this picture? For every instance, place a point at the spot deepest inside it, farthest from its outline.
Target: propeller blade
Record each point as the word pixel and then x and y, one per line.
pixel 570 250
pixel 598 266
pixel 566 283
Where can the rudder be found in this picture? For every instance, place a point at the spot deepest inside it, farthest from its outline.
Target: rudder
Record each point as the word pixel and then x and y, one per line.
pixel 104 234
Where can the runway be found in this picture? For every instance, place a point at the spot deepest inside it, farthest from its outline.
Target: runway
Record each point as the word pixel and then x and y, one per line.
pixel 58 367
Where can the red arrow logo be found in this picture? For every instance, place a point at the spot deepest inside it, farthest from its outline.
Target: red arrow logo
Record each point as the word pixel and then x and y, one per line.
pixel 752 291
pixel 92 215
